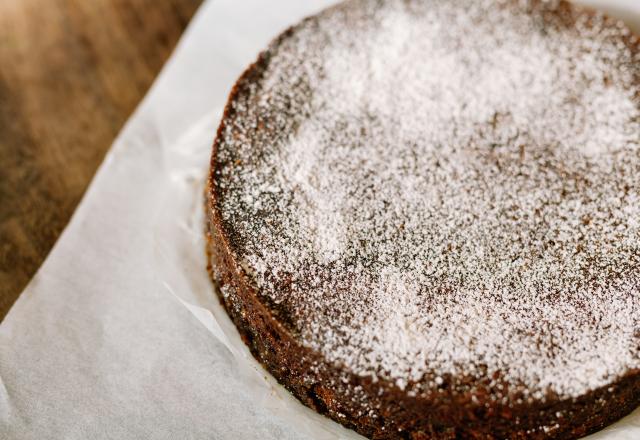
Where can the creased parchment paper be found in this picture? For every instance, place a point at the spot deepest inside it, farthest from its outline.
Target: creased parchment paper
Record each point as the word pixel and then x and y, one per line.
pixel 113 336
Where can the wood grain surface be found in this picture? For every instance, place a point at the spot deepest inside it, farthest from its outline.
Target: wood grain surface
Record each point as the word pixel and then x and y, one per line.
pixel 71 72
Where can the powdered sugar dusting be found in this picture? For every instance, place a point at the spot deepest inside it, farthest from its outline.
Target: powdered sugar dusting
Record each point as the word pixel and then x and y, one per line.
pixel 440 189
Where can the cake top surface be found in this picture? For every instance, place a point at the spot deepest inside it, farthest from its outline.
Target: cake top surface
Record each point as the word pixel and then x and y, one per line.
pixel 427 190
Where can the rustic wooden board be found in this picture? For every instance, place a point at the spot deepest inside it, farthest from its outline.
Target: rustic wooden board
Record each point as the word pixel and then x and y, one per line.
pixel 71 72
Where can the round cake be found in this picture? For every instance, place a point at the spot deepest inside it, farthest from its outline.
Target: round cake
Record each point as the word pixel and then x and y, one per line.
pixel 424 217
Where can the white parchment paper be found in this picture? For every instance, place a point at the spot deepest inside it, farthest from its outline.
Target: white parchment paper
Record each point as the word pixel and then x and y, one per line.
pixel 119 335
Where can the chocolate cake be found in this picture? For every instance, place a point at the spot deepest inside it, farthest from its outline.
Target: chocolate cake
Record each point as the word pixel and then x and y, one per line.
pixel 424 217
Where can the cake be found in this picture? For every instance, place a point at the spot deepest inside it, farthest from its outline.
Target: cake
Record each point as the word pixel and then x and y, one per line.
pixel 423 217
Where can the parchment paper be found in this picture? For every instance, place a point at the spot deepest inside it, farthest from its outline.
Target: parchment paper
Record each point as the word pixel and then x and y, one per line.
pixel 119 335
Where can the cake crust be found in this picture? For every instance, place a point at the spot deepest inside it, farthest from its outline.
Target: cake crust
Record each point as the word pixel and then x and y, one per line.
pixel 486 403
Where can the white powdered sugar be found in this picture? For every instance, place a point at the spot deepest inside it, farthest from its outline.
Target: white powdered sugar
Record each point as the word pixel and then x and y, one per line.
pixel 431 190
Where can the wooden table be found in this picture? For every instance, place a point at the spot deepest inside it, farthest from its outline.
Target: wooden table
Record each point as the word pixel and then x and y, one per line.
pixel 71 73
